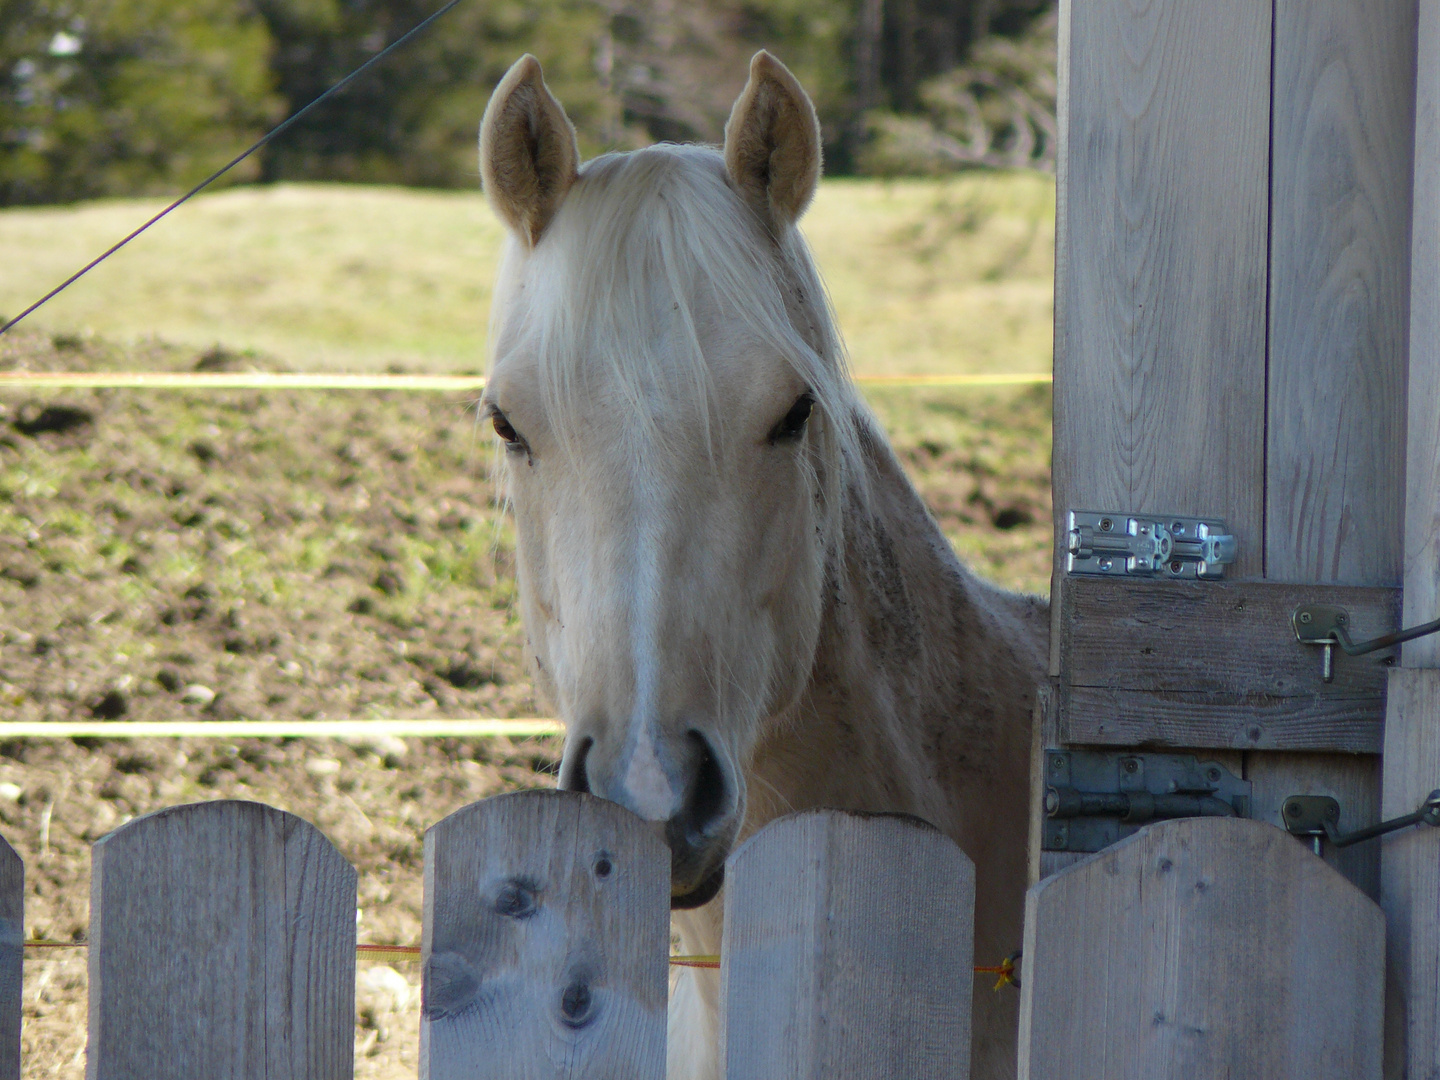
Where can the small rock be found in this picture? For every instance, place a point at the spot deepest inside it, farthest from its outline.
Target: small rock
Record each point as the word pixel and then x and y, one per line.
pixel 197 694
pixel 322 766
pixel 110 706
pixel 169 678
pixel 385 988
pixel 11 792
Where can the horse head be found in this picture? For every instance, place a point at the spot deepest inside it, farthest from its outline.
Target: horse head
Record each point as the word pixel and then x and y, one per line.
pixel 676 422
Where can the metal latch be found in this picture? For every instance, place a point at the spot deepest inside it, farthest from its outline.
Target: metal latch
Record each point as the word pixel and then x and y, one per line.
pixel 1094 798
pixel 1136 545
pixel 1328 625
pixel 1317 817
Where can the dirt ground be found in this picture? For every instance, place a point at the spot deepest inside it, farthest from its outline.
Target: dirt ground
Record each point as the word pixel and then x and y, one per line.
pixel 265 555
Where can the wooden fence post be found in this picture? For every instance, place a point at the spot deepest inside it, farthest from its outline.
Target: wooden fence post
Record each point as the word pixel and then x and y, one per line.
pixel 848 951
pixel 222 944
pixel 1410 861
pixel 1203 947
pixel 547 930
pixel 12 936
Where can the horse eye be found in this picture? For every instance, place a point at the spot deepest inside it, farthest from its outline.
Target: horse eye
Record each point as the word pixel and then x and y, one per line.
pixel 503 428
pixel 793 425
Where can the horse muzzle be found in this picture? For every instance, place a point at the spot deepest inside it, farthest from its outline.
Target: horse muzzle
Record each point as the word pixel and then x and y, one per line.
pixel 699 834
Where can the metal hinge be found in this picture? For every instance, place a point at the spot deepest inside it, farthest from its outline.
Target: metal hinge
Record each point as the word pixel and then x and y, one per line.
pixel 1147 545
pixel 1094 798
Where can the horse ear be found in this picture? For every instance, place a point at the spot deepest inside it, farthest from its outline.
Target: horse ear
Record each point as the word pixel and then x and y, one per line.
pixel 528 153
pixel 772 144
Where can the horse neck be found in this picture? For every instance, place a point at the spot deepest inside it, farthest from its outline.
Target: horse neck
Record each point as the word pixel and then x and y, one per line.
pixel 920 695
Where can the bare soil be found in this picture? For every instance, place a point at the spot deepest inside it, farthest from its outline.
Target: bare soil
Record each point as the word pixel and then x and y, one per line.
pixel 224 555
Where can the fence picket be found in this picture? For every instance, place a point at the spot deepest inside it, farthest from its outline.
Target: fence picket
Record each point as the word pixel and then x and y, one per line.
pixel 12 936
pixel 222 946
pixel 547 927
pixel 1202 947
pixel 848 951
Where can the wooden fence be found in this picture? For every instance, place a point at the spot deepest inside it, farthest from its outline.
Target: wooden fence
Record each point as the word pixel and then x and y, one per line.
pixel 223 945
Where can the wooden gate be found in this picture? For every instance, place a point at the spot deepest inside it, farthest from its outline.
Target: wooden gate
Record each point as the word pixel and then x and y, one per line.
pixel 1233 318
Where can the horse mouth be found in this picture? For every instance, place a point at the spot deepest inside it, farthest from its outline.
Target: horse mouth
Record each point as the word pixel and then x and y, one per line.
pixel 702 894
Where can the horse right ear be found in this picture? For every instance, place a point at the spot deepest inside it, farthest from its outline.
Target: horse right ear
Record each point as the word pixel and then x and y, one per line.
pixel 772 144
pixel 528 153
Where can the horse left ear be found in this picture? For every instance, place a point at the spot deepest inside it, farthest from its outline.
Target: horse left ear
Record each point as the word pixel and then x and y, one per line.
pixel 528 153
pixel 772 144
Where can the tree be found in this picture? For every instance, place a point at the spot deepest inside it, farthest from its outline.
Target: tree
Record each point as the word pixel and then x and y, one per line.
pixel 112 97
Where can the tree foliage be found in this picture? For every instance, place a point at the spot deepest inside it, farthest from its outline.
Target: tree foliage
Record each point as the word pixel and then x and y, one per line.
pixel 110 97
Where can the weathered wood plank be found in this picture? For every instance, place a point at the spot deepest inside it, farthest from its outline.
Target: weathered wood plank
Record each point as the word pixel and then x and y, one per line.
pixel 1217 665
pixel 1351 780
pixel 1410 869
pixel 1422 459
pixel 547 927
pixel 1160 314
pixel 1233 639
pixel 222 944
pixel 1102 717
pixel 848 948
pixel 1339 290
pixel 1201 948
pixel 12 936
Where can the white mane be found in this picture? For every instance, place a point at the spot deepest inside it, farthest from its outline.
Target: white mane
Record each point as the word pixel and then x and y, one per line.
pixel 584 300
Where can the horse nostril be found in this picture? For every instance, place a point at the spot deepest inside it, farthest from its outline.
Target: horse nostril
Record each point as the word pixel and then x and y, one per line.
pixel 708 797
pixel 573 776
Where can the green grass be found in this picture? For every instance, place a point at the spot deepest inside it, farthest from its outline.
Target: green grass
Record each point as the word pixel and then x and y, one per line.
pixel 927 276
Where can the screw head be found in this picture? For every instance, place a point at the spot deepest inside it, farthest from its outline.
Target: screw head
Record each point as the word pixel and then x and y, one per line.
pixel 1342 618
pixel 1130 765
pixel 1175 565
pixel 1292 809
pixel 1106 524
pixel 1306 617
pixel 1212 774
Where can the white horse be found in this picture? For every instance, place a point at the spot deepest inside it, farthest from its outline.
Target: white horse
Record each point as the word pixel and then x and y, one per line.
pixel 733 596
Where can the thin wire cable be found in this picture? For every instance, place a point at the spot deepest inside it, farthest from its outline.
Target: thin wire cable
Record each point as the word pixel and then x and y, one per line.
pixel 264 139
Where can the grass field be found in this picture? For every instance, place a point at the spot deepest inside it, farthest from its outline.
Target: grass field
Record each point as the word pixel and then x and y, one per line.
pixel 927 276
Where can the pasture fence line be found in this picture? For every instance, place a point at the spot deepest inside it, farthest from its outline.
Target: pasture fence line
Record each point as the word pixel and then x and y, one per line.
pixel 399 727
pixel 267 380
pixel 847 949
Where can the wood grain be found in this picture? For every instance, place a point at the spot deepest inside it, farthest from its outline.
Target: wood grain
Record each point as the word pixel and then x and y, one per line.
pixel 547 927
pixel 1217 665
pixel 1227 638
pixel 12 936
pixel 1422 459
pixel 848 950
pixel 1339 290
pixel 1410 861
pixel 1160 312
pixel 222 945
pixel 1201 948
pixel 1410 875
pixel 1206 720
pixel 1353 782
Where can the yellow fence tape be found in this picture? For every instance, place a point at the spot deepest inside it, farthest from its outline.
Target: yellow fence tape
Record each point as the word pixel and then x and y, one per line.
pixel 523 727
pixel 473 384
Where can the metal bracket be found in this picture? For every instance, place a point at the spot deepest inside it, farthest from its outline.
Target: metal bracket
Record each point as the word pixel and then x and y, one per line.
pixel 1328 625
pixel 1317 817
pixel 1134 545
pixel 1094 798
